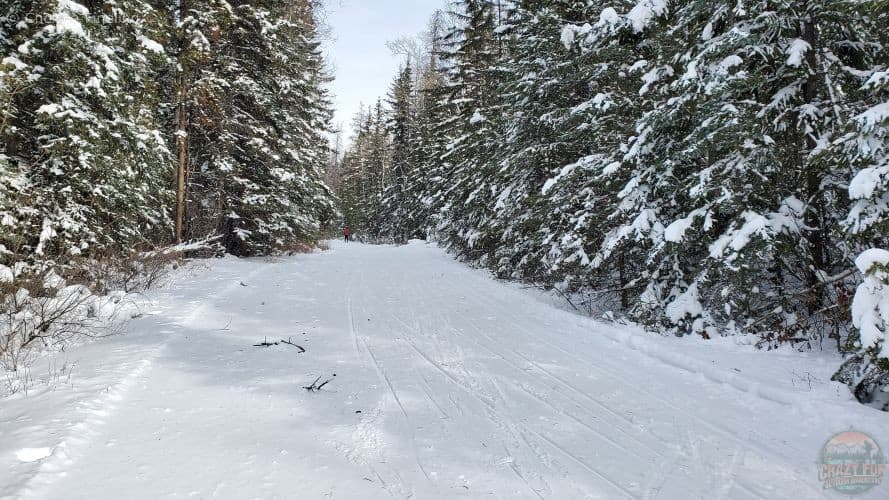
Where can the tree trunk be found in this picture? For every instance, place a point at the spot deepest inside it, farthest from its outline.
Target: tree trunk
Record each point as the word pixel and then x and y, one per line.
pixel 813 217
pixel 181 133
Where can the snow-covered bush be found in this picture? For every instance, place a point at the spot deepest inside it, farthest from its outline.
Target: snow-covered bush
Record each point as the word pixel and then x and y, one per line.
pixel 870 309
pixel 43 310
pixel 867 371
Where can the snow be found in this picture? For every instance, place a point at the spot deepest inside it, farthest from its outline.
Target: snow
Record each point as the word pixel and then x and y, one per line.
pixel 568 33
pixel 64 23
pixel 13 61
pixel 6 274
pixel 786 219
pixel 448 385
pixel 67 24
pixel 675 232
pixel 870 307
pixel 707 34
pixel 151 45
pixel 874 116
pixel 796 52
pixel 48 109
pixel 687 304
pixel 642 15
pixel 33 454
pixel 46 234
pixel 869 258
pixel 609 17
pixel 731 61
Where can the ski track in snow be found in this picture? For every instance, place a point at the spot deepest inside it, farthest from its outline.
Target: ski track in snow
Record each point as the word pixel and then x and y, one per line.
pixel 448 385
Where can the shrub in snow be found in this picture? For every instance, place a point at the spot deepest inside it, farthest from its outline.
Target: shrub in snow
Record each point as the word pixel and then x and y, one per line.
pixel 43 310
pixel 39 308
pixel 867 371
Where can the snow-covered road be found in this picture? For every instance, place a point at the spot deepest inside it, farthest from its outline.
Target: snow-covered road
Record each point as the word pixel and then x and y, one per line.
pixel 447 385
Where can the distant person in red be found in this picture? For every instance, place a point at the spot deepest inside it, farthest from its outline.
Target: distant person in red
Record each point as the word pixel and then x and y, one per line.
pixel 347 234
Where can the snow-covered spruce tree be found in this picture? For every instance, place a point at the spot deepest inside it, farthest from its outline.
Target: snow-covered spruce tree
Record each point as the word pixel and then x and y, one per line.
pixel 467 194
pixel 430 114
pixel 301 110
pixel 547 89
pixel 422 177
pixel 742 209
pixel 867 371
pixel 428 180
pixel 83 161
pixel 349 185
pixel 865 148
pixel 353 187
pixel 397 208
pixel 600 230
pixel 256 131
pixel 366 174
pixel 81 131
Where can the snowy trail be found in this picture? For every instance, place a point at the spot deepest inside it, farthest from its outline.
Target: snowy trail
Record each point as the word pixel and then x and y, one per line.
pixel 448 385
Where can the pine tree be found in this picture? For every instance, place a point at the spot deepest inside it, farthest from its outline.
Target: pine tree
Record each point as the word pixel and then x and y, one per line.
pixel 864 147
pixel 402 129
pixel 544 88
pixel 472 102
pixel 730 166
pixel 87 157
pixel 257 138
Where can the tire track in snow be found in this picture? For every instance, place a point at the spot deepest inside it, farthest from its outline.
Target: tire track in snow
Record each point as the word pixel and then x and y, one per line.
pixel 502 423
pixel 424 386
pixel 614 484
pixel 399 484
pixel 560 411
pixel 471 386
pixel 546 373
pixel 720 430
pixel 353 330
pixel 518 472
pixel 384 377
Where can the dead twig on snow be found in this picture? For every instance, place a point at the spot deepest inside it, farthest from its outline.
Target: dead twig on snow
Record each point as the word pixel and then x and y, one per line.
pixel 265 343
pixel 315 387
pixel 289 341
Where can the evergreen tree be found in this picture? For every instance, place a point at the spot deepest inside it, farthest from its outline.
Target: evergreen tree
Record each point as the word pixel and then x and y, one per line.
pixel 257 139
pixel 465 192
pixel 86 158
pixel 403 135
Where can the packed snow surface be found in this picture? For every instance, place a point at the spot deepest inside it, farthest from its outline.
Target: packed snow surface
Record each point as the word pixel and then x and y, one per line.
pixel 448 385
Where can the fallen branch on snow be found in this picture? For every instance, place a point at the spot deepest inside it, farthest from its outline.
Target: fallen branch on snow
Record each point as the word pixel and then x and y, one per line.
pixel 265 343
pixel 315 387
pixel 289 341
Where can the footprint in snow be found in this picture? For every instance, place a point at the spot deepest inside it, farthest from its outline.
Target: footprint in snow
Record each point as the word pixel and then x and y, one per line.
pixel 33 454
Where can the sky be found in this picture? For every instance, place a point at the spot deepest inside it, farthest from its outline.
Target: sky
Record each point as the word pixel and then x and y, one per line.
pixel 364 67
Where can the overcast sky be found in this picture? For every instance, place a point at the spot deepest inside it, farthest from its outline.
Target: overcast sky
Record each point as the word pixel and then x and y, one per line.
pixel 364 66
